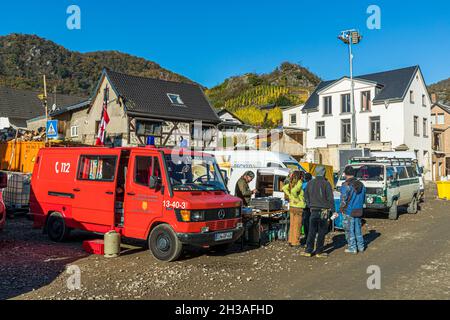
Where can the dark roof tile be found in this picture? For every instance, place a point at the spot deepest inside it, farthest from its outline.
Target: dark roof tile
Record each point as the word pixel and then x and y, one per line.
pixel 393 83
pixel 148 97
pixel 22 105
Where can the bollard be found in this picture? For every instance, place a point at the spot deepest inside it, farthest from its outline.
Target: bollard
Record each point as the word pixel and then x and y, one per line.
pixel 112 244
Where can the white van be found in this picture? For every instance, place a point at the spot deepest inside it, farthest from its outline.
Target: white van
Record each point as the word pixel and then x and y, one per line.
pixel 255 159
pixel 268 182
pixel 271 169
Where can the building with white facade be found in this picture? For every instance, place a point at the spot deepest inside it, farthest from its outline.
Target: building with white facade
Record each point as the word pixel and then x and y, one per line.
pixel 393 112
pixel 233 132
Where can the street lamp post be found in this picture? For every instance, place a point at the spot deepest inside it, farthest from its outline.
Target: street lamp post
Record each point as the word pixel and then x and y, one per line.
pixel 351 37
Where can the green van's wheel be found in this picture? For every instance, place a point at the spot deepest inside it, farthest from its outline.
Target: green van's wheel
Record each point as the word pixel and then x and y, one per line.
pixel 393 211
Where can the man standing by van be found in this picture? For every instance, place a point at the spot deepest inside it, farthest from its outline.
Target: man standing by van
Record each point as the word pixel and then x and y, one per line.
pixel 243 190
pixel 319 198
pixel 353 196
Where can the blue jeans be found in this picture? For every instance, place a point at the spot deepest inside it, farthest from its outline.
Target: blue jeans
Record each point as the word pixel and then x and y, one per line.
pixel 353 233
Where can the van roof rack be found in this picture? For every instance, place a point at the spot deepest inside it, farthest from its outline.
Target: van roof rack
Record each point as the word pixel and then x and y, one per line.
pixel 391 161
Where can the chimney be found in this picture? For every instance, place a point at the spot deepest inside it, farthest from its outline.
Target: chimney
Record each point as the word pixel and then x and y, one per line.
pixel 434 98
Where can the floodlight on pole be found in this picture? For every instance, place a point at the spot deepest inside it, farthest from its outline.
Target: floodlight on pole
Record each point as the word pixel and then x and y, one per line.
pixel 351 37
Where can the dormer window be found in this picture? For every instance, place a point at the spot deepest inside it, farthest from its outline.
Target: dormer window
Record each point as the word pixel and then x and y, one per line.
pixel 175 99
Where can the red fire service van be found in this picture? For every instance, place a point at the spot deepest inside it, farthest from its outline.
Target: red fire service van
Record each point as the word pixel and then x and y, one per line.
pixel 3 185
pixel 167 197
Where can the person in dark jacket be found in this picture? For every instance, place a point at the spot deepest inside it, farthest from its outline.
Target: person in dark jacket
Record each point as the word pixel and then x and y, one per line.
pixel 353 197
pixel 319 198
pixel 306 212
pixel 243 190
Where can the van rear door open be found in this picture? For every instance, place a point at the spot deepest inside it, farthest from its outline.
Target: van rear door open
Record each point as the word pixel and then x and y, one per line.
pixel 143 204
pixel 95 188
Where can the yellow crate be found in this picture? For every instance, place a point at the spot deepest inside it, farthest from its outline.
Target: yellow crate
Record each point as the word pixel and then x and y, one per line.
pixel 443 188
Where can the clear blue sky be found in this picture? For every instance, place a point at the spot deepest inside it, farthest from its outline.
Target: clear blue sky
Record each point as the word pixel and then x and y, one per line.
pixel 209 41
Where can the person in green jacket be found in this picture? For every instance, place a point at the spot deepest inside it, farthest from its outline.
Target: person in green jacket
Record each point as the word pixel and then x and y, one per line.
pixel 295 194
pixel 243 190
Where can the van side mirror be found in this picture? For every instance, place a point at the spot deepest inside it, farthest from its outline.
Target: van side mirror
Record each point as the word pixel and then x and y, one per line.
pixel 3 180
pixel 154 182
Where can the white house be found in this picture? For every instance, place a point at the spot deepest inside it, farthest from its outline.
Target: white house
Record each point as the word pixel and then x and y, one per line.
pixel 292 117
pixel 233 132
pixel 393 112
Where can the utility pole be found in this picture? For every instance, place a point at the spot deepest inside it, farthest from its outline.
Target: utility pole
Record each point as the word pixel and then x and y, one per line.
pixel 351 37
pixel 45 106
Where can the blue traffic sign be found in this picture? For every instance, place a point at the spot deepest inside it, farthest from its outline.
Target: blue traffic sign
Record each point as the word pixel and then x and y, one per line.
pixel 52 129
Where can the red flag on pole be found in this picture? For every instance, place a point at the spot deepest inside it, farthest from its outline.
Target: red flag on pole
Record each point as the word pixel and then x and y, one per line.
pixel 104 121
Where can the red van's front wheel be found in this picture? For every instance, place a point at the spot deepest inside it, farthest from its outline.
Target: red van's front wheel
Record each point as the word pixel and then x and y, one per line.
pixel 164 244
pixel 56 227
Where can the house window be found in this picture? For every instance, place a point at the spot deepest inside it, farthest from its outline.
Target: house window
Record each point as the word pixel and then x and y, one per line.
pixel 74 131
pixel 437 141
pixel 377 90
pixel 365 101
pixel 375 132
pixel 175 99
pixel 345 103
pixel 148 128
pixel 433 119
pixel 327 105
pixel 425 127
pixel 346 131
pixel 293 119
pixel 440 119
pixel 416 125
pixel 424 101
pixel 411 96
pixel 320 129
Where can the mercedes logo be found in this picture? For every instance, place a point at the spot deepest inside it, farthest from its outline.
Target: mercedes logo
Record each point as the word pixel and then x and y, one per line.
pixel 222 214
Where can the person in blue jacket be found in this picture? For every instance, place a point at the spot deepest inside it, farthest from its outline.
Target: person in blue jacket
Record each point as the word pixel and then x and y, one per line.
pixel 353 197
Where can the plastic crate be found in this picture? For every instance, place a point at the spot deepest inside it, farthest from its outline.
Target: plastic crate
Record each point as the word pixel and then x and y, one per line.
pixel 94 247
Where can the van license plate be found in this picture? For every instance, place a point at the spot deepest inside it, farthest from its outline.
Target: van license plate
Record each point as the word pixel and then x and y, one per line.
pixel 224 236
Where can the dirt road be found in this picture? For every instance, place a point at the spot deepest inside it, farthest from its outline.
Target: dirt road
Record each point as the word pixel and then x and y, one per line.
pixel 412 254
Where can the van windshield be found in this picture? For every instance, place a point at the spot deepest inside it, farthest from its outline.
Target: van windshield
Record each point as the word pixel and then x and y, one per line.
pixel 194 173
pixel 368 173
pixel 294 166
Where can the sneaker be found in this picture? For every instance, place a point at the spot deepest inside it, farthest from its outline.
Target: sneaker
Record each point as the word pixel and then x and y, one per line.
pixel 322 255
pixel 306 254
pixel 361 250
pixel 351 251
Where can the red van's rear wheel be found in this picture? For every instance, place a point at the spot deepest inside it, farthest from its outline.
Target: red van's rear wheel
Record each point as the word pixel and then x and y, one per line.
pixel 56 228
pixel 164 243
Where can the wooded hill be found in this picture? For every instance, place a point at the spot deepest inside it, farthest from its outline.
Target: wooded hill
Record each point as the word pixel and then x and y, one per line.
pixel 25 58
pixel 442 90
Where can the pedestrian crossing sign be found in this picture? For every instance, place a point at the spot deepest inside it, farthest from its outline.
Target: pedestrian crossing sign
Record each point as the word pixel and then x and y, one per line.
pixel 52 129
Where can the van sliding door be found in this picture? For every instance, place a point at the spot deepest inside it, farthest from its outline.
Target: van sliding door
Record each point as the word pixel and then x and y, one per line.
pixel 94 190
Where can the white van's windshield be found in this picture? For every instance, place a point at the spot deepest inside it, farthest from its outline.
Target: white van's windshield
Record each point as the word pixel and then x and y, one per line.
pixel 194 173
pixel 368 172
pixel 294 166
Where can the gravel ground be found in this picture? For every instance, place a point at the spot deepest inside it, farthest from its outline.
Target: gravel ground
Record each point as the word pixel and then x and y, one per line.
pixel 413 254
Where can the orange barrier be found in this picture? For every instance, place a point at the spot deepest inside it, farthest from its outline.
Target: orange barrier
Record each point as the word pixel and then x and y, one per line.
pixel 19 156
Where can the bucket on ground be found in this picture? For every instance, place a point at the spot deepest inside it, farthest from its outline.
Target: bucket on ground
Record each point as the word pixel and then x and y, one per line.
pixel 443 188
